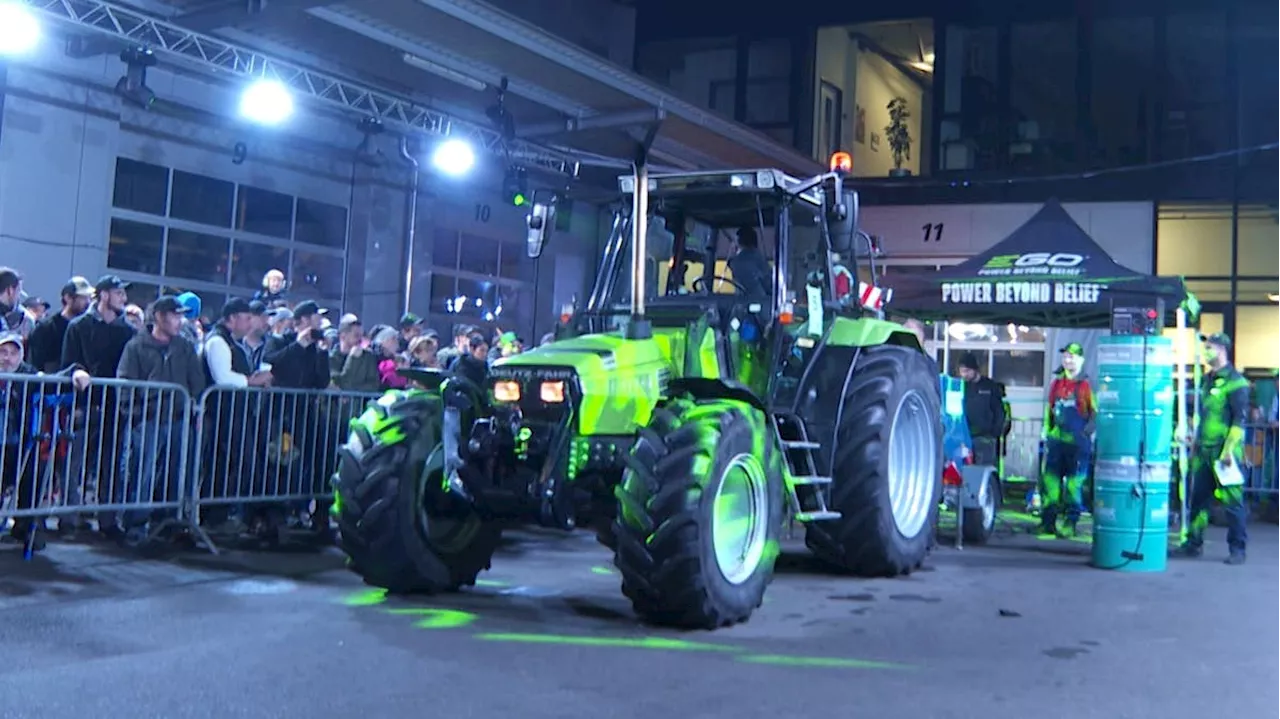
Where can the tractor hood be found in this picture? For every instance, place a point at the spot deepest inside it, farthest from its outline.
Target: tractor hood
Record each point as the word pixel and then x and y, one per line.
pixel 618 380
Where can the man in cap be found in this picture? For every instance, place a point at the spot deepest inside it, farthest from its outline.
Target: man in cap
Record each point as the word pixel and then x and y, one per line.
pixel 983 410
pixel 1068 431
pixel 351 365
pixel 1217 450
pixel 95 340
pixel 280 325
pixel 162 355
pixel 300 364
pixel 410 327
pixel 45 342
pixel 20 453
pixel 36 307
pixel 10 297
pixel 255 340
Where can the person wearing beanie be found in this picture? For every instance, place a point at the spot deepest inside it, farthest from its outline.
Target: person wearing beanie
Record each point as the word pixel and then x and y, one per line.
pixel 983 410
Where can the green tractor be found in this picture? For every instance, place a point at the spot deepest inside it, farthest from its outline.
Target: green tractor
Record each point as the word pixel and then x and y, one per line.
pixel 687 417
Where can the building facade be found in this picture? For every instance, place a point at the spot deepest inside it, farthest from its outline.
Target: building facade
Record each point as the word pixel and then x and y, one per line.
pixel 1154 122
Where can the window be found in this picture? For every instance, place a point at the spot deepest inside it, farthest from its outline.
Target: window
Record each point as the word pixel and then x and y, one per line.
pixel 196 256
pixel 250 261
pixel 724 97
pixel 264 212
pixel 443 290
pixel 1042 95
pixel 1018 368
pixel 1257 336
pixel 316 275
pixel 444 248
pixel 142 293
pixel 206 200
pixel 319 223
pixel 830 120
pixel 470 300
pixel 1257 291
pixel 514 265
pixel 1259 73
pixel 140 187
pixel 1257 252
pixel 768 101
pixel 135 247
pixel 1194 240
pixel 1123 68
pixel 1195 113
pixel 970 132
pixel 1211 290
pixel 479 255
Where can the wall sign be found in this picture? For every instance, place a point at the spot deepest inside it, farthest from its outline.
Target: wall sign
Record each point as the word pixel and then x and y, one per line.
pixel 1126 230
pixel 483 212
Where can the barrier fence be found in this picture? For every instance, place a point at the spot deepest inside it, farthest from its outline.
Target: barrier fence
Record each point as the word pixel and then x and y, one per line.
pixel 145 455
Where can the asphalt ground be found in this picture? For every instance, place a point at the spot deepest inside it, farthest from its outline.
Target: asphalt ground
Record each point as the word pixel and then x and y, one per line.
pixel 1020 628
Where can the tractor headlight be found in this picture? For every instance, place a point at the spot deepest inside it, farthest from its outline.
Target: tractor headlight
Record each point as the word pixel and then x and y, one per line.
pixel 506 390
pixel 552 392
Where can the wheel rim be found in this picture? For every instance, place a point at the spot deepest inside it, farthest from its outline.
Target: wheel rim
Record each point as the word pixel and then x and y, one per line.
pixel 987 500
pixel 447 534
pixel 912 468
pixel 738 528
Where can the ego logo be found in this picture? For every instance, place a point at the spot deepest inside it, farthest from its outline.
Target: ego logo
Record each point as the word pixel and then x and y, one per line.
pixel 1034 263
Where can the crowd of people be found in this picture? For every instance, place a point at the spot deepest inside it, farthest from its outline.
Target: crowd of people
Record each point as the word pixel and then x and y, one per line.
pixel 259 342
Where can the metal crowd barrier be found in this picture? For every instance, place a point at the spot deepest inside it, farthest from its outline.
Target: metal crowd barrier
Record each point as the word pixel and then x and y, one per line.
pixel 267 450
pixel 1260 459
pixel 118 450
pixel 145 454
pixel 1022 450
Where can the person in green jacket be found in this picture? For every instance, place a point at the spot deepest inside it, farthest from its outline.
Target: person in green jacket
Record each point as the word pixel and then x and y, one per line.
pixel 352 366
pixel 1224 409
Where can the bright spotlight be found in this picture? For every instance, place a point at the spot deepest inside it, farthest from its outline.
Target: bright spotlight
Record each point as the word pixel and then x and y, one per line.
pixel 453 157
pixel 19 29
pixel 266 102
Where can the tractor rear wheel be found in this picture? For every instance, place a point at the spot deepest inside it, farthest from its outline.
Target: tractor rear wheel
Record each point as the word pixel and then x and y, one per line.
pixel 886 466
pixel 392 533
pixel 699 514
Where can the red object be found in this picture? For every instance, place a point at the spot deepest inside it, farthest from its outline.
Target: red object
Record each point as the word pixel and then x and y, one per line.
pixel 951 476
pixel 843 286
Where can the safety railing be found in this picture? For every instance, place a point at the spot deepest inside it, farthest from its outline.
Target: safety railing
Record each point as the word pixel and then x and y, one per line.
pixel 1260 459
pixel 262 450
pixel 111 449
pixel 142 456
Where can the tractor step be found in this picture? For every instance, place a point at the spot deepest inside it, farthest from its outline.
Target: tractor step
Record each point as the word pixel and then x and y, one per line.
pixel 819 516
pixel 788 444
pixel 811 480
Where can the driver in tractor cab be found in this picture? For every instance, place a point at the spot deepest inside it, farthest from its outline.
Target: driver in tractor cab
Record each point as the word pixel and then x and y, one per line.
pixel 750 268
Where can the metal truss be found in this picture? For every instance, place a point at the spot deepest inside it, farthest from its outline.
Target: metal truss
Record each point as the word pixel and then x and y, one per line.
pixel 221 57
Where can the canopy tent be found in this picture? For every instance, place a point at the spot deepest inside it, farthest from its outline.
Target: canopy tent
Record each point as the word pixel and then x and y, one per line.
pixel 1047 273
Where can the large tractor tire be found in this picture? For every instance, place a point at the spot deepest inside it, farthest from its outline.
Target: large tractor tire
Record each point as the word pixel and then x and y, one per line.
pixel 699 514
pixel 886 468
pixel 388 477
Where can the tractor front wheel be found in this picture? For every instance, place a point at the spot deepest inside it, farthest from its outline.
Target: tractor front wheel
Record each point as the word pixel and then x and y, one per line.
pixel 699 514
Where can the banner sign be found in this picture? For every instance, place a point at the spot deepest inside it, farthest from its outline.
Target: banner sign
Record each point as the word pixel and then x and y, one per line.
pixel 1021 293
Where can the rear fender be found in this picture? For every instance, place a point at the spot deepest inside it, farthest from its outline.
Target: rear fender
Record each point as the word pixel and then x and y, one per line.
pixel 716 388
pixel 870 332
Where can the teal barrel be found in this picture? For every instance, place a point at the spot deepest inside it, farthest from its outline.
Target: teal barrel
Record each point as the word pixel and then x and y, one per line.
pixel 1134 391
pixel 1131 516
pixel 1135 398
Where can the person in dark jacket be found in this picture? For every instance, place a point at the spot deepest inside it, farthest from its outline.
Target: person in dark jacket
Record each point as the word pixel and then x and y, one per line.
pixel 750 269
pixel 352 365
pixel 255 340
pixel 11 311
pixel 983 411
pixel 95 341
pixel 21 467
pixel 44 346
pixel 160 418
pixel 273 289
pixel 300 364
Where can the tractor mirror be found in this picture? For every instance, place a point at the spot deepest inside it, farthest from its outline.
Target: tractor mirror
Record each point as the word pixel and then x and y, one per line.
pixel 539 221
pixel 841 207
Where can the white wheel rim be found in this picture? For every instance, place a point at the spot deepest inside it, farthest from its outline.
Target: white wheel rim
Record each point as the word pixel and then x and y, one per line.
pixel 739 530
pixel 912 464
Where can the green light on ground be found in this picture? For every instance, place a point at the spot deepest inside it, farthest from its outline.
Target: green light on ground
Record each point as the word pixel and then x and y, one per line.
pixel 602 570
pixel 436 618
pixel 821 662
pixel 491 583
pixel 660 643
pixel 369 598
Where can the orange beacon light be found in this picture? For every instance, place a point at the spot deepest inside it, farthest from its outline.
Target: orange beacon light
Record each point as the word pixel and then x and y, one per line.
pixel 841 162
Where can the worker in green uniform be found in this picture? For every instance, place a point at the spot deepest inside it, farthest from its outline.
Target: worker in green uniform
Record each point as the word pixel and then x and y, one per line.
pixel 1224 409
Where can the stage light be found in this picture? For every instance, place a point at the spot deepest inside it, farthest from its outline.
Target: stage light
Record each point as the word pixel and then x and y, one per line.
pixel 453 157
pixel 19 29
pixel 266 102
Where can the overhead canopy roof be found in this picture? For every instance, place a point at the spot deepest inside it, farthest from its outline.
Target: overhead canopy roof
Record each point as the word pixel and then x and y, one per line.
pixel 559 95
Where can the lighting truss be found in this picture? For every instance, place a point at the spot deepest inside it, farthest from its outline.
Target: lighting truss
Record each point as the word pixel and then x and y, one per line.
pixel 220 56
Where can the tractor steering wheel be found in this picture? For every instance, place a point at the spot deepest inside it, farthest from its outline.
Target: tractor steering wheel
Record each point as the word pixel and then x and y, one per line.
pixel 703 281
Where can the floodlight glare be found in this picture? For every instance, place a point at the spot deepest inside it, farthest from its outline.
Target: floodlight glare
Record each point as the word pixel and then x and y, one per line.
pixel 19 29
pixel 266 102
pixel 453 157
